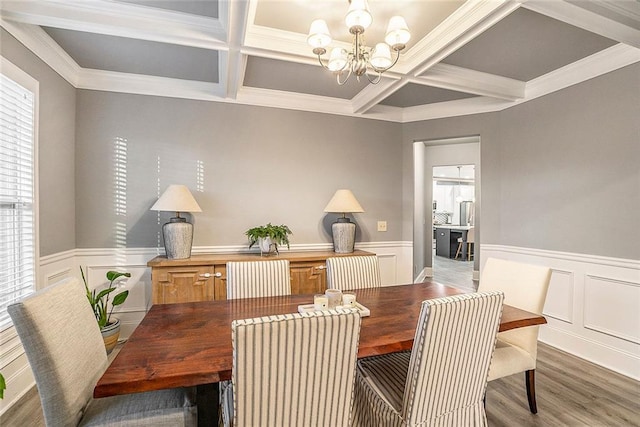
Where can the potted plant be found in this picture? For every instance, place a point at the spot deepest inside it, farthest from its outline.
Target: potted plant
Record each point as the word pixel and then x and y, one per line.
pixel 99 302
pixel 268 237
pixel 3 386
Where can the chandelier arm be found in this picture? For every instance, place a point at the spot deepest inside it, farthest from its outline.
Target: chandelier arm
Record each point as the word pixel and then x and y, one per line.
pixel 374 81
pixel 321 64
pixel 345 80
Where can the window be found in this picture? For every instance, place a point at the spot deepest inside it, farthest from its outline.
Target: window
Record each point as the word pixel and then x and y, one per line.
pixel 17 187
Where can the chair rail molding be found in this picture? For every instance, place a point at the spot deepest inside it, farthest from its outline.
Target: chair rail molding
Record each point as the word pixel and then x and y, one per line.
pixel 591 307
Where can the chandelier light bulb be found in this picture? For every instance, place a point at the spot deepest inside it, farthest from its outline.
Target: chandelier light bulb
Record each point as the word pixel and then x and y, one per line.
pixel 358 17
pixel 381 56
pixel 338 59
pixel 397 33
pixel 319 36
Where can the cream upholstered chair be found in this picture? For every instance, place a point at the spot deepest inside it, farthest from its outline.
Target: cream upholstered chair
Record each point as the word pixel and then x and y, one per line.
pixel 525 286
pixel 293 370
pixel 469 242
pixel 250 279
pixel 66 352
pixel 353 272
pixel 442 380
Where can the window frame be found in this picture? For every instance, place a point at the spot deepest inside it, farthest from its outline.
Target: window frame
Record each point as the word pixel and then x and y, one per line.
pixel 10 346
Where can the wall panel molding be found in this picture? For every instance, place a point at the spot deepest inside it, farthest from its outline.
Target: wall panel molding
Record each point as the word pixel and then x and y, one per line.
pixel 591 307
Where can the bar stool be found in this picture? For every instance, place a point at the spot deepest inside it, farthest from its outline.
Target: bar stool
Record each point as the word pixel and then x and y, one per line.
pixel 470 241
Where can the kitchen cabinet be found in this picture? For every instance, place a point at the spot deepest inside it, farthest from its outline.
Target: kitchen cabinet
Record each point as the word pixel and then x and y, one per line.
pixel 203 277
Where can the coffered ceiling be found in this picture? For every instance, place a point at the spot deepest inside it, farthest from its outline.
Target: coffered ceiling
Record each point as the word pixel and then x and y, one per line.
pixel 464 57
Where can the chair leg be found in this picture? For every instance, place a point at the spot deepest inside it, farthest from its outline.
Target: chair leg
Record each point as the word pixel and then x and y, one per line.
pixel 530 378
pixel 458 251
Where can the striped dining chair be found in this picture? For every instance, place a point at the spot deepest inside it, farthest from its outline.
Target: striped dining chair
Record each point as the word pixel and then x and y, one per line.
pixel 292 370
pixel 442 381
pixel 251 279
pixel 353 272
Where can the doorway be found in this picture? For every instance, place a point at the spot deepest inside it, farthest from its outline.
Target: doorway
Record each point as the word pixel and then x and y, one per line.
pixel 450 152
pixel 453 217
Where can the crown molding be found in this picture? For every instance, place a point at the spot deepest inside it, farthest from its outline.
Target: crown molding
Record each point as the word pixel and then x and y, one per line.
pixel 599 63
pixel 112 81
pixel 44 47
pixel 461 107
pixel 462 79
pixel 120 19
pixel 587 20
pixel 371 95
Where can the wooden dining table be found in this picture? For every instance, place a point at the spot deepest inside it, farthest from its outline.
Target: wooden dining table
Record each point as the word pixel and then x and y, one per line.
pixel 189 344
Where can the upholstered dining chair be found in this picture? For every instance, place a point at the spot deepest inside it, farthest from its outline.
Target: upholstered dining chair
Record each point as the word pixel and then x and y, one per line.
pixel 525 286
pixel 251 279
pixel 293 370
pixel 442 380
pixel 66 352
pixel 353 272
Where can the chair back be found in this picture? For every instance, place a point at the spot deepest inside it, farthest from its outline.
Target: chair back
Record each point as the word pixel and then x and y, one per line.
pixel 251 279
pixel 471 235
pixel 450 359
pixel 64 347
pixel 353 272
pixel 525 286
pixel 295 369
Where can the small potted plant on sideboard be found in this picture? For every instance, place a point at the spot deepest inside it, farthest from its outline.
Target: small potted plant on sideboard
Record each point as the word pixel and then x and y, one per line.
pixel 99 302
pixel 268 237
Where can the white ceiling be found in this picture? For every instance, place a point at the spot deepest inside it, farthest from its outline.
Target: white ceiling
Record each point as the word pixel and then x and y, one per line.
pixel 464 57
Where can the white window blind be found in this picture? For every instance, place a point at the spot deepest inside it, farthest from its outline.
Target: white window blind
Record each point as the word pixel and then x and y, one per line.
pixel 17 228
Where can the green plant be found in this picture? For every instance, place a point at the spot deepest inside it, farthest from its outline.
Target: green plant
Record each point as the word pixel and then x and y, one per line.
pixel 100 302
pixel 279 234
pixel 3 386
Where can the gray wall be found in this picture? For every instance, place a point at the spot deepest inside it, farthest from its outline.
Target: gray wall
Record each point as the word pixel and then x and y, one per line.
pixel 260 165
pixel 56 139
pixel 560 172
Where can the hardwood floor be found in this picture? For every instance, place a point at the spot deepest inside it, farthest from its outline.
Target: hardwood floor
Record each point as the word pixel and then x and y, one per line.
pixel 570 392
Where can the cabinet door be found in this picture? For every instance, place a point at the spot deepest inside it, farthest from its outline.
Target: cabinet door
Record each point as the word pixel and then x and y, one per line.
pixel 220 282
pixel 182 284
pixel 308 277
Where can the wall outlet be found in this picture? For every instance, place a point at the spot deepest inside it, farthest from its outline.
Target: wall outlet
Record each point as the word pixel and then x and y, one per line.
pixel 382 225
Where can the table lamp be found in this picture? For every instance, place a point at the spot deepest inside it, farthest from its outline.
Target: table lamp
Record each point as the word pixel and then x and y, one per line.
pixel 344 231
pixel 177 233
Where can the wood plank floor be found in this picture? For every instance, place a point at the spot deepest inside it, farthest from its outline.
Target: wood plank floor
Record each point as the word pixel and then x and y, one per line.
pixel 570 392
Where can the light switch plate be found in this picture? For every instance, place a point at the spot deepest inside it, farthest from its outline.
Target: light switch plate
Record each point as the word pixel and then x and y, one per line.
pixel 382 225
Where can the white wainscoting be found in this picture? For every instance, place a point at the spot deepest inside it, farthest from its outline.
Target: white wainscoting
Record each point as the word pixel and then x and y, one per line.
pixel 395 267
pixel 592 307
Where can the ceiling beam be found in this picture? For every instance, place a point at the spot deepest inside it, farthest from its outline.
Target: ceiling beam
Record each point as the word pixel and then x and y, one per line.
pixel 236 22
pixel 120 19
pixel 461 79
pixel 587 20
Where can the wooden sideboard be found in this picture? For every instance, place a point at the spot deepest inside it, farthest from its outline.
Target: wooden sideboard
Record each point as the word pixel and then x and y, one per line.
pixel 204 277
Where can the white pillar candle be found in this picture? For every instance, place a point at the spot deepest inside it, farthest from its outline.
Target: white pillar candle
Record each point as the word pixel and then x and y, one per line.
pixel 320 302
pixel 349 300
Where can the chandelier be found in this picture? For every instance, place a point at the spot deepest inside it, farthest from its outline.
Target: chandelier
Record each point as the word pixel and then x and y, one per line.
pixel 361 60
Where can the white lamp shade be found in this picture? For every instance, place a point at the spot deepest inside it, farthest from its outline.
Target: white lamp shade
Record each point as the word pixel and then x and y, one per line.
pixel 343 201
pixel 358 14
pixel 381 57
pixel 176 198
pixel 319 35
pixel 338 59
pixel 397 32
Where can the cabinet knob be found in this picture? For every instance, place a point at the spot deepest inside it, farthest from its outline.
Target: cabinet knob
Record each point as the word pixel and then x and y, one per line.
pixel 321 267
pixel 207 275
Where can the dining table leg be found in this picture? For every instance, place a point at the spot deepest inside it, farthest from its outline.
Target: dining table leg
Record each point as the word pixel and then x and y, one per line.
pixel 207 399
